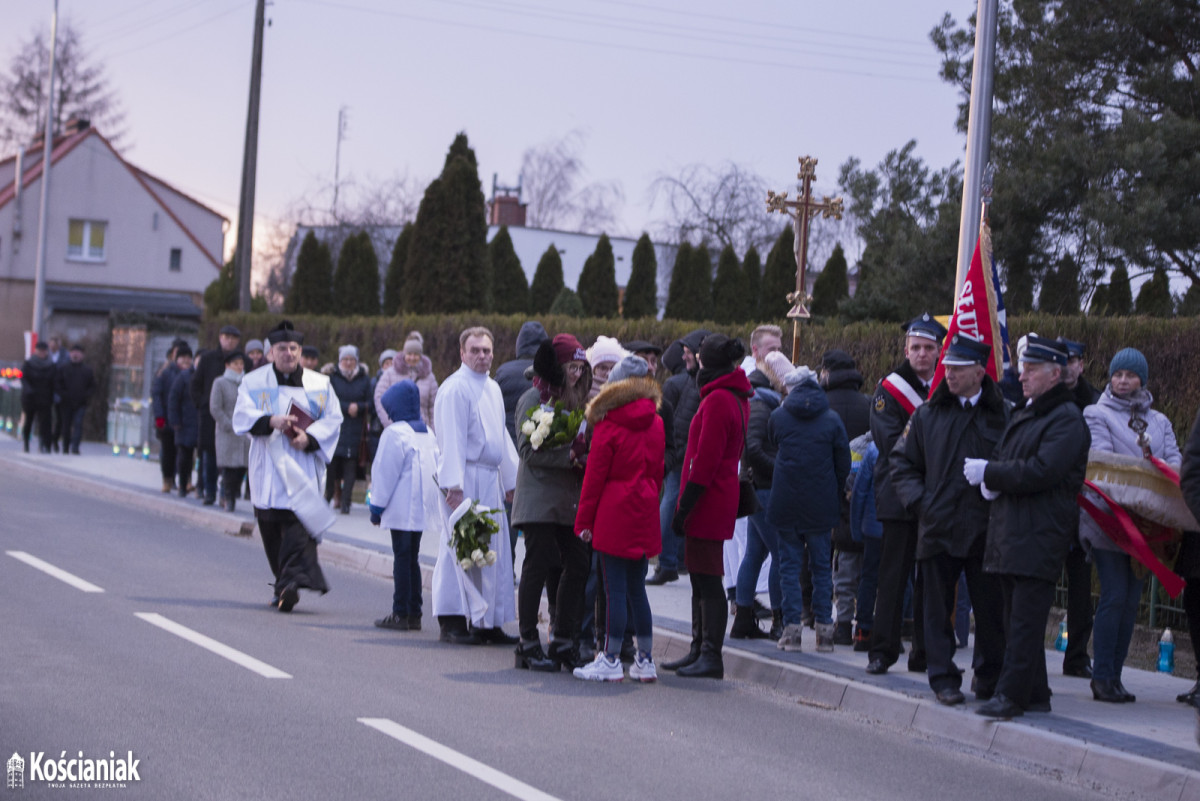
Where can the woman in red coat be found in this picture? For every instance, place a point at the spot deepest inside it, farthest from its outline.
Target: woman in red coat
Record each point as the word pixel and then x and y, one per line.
pixel 709 500
pixel 618 509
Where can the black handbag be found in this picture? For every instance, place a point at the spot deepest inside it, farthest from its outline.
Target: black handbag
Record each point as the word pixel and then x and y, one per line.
pixel 747 496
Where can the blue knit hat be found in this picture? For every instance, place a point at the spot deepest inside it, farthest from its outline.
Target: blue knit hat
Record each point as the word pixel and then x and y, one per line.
pixel 1130 359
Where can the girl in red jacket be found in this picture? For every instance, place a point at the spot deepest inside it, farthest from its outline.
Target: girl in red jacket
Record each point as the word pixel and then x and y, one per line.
pixel 618 509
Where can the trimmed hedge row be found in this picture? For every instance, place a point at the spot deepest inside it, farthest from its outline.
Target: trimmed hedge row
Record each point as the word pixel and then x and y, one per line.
pixel 1170 345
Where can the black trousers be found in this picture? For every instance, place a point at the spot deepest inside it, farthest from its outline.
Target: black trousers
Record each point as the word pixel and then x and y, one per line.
pixel 547 544
pixel 897 558
pixel 1191 607
pixel 940 576
pixel 232 478
pixel 1079 609
pixel 166 453
pixel 291 551
pixel 342 470
pixel 1026 609
pixel 185 456
pixel 44 420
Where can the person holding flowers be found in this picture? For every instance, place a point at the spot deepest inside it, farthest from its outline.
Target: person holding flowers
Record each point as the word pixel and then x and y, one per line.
pixel 550 436
pixel 618 510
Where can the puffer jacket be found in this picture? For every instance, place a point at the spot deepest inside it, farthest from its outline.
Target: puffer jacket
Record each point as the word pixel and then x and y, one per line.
pixel 714 446
pixel 621 485
pixel 422 376
pixel 160 388
pixel 758 463
pixel 511 375
pixel 37 380
pixel 181 411
pixel 1038 469
pixel 356 389
pixel 927 469
pixel 812 464
pixel 548 485
pixel 1108 422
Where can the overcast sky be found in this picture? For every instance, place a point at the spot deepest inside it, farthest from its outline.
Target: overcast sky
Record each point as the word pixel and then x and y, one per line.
pixel 653 86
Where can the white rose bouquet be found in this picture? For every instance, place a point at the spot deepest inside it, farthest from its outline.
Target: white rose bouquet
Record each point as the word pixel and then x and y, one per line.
pixel 471 537
pixel 551 426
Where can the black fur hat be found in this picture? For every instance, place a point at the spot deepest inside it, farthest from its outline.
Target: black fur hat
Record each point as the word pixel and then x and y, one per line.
pixel 546 366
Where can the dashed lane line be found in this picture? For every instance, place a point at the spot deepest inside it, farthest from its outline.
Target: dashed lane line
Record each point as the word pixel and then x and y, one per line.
pixel 488 775
pixel 56 572
pixel 218 648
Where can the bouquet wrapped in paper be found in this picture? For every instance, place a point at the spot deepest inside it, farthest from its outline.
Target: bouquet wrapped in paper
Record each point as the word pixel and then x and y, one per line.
pixel 471 530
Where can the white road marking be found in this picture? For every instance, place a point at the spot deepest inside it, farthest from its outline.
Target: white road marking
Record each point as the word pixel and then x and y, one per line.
pixel 220 649
pixel 57 572
pixel 482 772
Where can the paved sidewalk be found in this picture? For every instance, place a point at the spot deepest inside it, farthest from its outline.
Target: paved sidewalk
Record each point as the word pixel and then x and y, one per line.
pixel 1148 748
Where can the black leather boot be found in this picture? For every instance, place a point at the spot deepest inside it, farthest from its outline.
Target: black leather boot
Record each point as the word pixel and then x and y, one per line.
pixel 1106 690
pixel 1191 695
pixel 745 625
pixel 565 653
pixel 530 656
pixel 694 653
pixel 714 615
pixel 776 625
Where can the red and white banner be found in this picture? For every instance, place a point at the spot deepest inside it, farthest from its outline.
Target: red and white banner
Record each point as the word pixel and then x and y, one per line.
pixel 975 311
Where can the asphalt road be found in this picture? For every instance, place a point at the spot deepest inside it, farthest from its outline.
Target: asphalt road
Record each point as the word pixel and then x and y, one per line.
pixel 364 713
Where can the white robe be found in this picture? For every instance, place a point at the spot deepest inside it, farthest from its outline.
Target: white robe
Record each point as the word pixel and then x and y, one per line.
pixel 259 394
pixel 477 456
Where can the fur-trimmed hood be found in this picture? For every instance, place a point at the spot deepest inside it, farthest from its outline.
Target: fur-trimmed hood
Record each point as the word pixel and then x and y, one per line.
pixel 622 393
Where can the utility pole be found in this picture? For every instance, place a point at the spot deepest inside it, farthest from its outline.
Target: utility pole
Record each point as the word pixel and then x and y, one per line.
pixel 979 136
pixel 39 270
pixel 337 158
pixel 245 240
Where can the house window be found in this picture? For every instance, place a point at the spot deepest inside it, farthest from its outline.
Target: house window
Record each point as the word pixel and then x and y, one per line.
pixel 85 240
pixel 176 259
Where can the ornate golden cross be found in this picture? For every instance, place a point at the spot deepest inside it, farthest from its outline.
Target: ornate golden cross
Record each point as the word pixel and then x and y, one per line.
pixel 801 210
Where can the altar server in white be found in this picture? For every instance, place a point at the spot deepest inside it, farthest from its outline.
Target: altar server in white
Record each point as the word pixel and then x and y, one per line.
pixel 478 461
pixel 293 418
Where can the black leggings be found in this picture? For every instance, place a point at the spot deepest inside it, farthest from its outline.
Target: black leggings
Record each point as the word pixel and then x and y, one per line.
pixel 546 544
pixel 342 469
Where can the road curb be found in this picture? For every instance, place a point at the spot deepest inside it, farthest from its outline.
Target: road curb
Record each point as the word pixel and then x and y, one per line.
pixel 1076 760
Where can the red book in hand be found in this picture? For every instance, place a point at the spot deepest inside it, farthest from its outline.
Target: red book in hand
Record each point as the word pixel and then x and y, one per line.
pixel 303 419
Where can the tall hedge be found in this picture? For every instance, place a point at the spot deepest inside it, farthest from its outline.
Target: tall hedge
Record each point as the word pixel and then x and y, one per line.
pixel 779 277
pixel 597 286
pixel 312 283
pixel 547 281
pixel 728 305
pixel 1169 345
pixel 510 288
pixel 641 293
pixel 677 290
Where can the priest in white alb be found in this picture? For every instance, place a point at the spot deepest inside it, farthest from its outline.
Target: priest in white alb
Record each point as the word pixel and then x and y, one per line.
pixel 478 461
pixel 293 418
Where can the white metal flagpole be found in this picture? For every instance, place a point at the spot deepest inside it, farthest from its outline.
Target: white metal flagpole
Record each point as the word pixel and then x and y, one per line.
pixel 39 275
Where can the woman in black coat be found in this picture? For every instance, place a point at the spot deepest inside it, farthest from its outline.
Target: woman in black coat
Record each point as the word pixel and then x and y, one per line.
pixel 352 385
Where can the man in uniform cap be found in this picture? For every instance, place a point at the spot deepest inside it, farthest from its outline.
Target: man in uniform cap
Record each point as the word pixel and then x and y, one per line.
pixel 1032 480
pixel 896 397
pixel 293 418
pixel 963 419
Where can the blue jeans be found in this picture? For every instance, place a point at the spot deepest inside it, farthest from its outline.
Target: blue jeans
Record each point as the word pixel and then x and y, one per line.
pixel 1120 593
pixel 868 582
pixel 792 547
pixel 73 432
pixel 761 539
pixel 672 550
pixel 625 585
pixel 406 573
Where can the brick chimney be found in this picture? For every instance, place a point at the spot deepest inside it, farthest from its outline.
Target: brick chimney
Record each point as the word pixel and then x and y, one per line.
pixel 505 207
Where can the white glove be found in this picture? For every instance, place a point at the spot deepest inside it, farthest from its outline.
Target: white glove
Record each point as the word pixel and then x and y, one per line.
pixel 973 470
pixel 988 494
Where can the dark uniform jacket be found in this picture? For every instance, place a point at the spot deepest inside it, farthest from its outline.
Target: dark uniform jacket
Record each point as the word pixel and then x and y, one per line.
pixel 888 419
pixel 927 469
pixel 1038 469
pixel 1188 563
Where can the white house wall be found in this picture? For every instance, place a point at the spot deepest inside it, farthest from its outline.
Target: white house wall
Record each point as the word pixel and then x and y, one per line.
pixel 204 223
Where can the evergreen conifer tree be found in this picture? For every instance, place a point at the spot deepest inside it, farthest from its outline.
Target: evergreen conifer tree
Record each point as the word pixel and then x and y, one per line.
pixel 1154 296
pixel 447 265
pixel 832 285
pixel 597 287
pixel 752 284
pixel 701 284
pixel 677 290
pixel 727 303
pixel 356 280
pixel 567 304
pixel 779 278
pixel 393 283
pixel 312 283
pixel 1119 300
pixel 510 289
pixel 1189 304
pixel 641 294
pixel 1060 288
pixel 1099 306
pixel 547 282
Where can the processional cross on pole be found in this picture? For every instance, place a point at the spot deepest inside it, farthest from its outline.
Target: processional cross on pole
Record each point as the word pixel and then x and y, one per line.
pixel 801 210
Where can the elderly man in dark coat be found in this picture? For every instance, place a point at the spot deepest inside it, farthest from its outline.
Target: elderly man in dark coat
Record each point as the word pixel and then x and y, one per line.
pixel 963 419
pixel 37 395
pixel 1032 480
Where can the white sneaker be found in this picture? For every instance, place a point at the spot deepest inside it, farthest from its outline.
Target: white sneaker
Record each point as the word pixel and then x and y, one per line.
pixel 790 641
pixel 643 670
pixel 602 669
